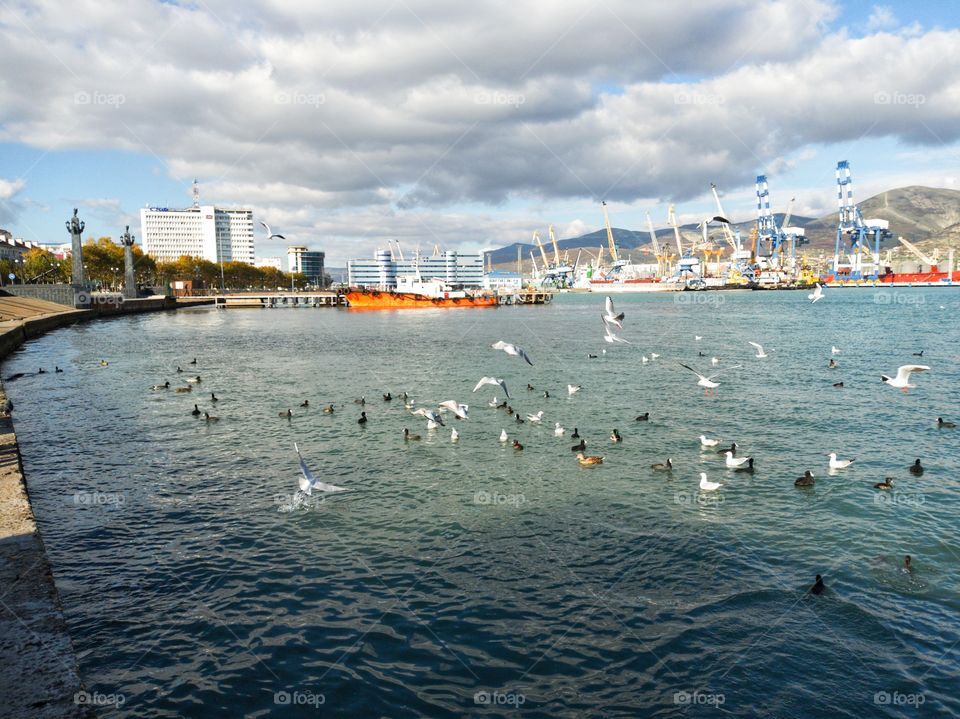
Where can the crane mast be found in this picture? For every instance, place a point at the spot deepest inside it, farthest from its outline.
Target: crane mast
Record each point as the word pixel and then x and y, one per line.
pixel 556 248
pixel 543 254
pixel 672 219
pixel 610 242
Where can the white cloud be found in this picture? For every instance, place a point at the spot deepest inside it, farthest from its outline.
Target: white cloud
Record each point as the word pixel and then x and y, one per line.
pixel 351 123
pixel 881 18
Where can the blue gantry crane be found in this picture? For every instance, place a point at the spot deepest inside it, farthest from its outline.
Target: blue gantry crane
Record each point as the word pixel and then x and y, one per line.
pixel 858 235
pixel 778 244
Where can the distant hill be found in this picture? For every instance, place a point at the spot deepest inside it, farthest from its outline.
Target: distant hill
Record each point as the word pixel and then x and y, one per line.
pixel 926 216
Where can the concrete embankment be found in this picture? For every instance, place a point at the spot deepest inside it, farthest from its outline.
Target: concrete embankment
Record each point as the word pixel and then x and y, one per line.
pixel 39 678
pixel 38 668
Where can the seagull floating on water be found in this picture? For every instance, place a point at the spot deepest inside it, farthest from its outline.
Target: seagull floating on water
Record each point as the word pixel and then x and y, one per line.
pixel 839 463
pixel 503 435
pixel 735 461
pixel 706 442
pixel 834 350
pixel 706 485
pixel 454 435
pixel 535 417
pixel 512 350
pixel 573 388
pixel 558 430
pixel 902 380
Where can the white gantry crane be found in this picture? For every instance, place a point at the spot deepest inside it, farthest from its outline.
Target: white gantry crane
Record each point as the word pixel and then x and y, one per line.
pixel 858 231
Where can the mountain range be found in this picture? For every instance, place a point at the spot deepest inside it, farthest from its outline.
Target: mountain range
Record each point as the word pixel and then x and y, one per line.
pixel 926 216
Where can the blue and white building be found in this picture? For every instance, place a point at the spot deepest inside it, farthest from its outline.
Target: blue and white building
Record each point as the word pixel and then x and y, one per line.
pixel 451 267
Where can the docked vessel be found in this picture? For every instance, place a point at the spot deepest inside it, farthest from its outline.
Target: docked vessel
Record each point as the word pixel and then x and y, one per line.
pixel 412 293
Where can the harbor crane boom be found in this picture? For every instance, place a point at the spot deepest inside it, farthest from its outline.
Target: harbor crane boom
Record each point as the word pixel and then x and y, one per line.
pixel 543 254
pixel 925 259
pixel 727 232
pixel 610 242
pixel 399 251
pixel 672 219
pixel 789 214
pixel 556 248
pixel 653 236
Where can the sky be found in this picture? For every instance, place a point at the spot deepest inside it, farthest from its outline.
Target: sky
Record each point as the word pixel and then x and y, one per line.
pixel 465 125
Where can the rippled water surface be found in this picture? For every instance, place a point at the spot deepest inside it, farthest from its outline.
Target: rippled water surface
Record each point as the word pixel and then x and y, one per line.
pixel 468 578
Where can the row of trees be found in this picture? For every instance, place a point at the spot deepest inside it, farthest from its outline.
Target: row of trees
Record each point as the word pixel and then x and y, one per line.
pixel 103 266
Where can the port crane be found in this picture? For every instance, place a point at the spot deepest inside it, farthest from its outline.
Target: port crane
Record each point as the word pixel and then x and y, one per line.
pixel 857 230
pixel 770 240
pixel 931 262
pixel 616 262
pixel 663 266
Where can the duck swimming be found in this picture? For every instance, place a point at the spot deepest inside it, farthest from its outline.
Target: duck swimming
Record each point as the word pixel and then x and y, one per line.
pixel 363 418
pixel 517 446
pixel 916 469
pixel 165 385
pixel 887 483
pixel 748 467
pixel 387 397
pixel 328 409
pixel 207 416
pixel 214 398
pixel 181 390
pixel 57 369
pixel 615 436
pixel 305 403
pixel 579 447
pixel 818 586
pixel 945 425
pixel 410 437
pixel 41 371
pixel 362 400
pixel 806 480
pixel 104 363
pixel 576 434
pixel 838 384
pixel 645 417
pixel 193 361
pixel 193 380
pixel 179 369
pixel 196 411
pixel 588 461
pixel 288 414
pixel 662 466
pixel 732 449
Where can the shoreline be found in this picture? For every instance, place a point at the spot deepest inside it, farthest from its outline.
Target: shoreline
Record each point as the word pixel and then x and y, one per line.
pixel 39 673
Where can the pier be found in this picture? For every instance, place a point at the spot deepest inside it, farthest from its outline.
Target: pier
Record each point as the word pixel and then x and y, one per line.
pixel 527 297
pixel 281 299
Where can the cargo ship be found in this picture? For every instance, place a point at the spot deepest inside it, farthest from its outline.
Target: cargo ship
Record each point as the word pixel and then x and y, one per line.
pixel 411 293
pixel 895 279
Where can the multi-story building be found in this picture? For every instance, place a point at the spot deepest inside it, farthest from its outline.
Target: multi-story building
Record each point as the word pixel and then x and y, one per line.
pixel 12 248
pixel 308 262
pixel 274 262
pixel 451 267
pixel 212 233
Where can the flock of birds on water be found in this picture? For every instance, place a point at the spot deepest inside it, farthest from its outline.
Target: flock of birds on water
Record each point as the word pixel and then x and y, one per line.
pixel 308 483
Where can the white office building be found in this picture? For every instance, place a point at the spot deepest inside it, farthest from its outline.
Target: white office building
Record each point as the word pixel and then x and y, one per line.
pixel 451 267
pixel 274 262
pixel 211 233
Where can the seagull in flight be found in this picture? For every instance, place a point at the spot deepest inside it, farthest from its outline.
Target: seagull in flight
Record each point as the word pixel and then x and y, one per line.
pixel 492 380
pixel 816 295
pixel 458 409
pixel 271 235
pixel 902 380
pixel 512 350
pixel 760 353
pixel 308 482
pixel 707 382
pixel 430 415
pixel 611 337
pixel 834 350
pixel 610 315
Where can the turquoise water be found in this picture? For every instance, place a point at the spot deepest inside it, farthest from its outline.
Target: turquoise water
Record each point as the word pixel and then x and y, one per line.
pixel 472 579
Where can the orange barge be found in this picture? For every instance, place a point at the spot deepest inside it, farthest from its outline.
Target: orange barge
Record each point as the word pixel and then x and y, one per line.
pixel 411 294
